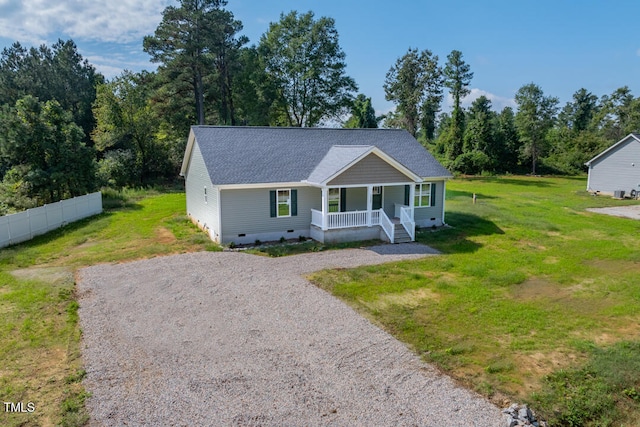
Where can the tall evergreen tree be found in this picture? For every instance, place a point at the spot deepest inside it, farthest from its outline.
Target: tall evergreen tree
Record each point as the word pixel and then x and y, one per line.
pixel 191 42
pixel 458 77
pixel 507 141
pixel 535 117
pixel 578 114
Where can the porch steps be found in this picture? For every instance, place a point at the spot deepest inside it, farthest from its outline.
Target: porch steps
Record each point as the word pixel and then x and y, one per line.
pixel 400 235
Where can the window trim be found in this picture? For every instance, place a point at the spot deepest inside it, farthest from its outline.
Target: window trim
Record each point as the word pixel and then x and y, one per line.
pixel 335 199
pixel 420 192
pixel 278 203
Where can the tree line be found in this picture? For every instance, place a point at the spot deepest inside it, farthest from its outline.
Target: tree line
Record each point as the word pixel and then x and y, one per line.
pixel 66 130
pixel 538 136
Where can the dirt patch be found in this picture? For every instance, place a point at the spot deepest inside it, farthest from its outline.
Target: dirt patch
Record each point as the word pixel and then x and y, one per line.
pixel 632 212
pixel 535 366
pixel 411 299
pixel 52 275
pixel 619 333
pixel 536 288
pixel 165 236
pixel 617 266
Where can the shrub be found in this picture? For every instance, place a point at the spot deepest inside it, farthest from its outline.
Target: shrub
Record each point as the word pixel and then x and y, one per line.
pixel 471 163
pixel 118 169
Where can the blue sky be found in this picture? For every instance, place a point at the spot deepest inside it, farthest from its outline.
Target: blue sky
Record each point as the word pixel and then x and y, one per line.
pixel 561 45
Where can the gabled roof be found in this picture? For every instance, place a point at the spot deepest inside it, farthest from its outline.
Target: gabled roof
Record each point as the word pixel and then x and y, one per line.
pixel 337 158
pixel 634 136
pixel 342 157
pixel 252 155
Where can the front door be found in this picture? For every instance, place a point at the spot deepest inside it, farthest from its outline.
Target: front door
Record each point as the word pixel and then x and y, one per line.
pixel 376 202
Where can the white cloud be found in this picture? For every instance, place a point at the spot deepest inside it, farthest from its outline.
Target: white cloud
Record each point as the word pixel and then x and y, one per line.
pixel 120 21
pixel 497 102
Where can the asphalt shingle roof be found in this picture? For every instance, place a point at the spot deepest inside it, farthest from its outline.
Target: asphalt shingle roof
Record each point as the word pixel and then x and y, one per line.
pixel 251 155
pixel 336 159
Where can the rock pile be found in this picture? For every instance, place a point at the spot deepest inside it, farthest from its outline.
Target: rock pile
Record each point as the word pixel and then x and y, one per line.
pixel 521 416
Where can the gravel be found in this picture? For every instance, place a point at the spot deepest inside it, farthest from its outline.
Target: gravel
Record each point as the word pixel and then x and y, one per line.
pixel 227 338
pixel 632 211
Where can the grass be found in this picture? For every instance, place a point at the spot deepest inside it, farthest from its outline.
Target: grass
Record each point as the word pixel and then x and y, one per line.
pixel 40 336
pixel 531 288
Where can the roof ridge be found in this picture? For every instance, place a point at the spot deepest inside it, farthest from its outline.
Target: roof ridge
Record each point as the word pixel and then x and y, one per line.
pixel 296 128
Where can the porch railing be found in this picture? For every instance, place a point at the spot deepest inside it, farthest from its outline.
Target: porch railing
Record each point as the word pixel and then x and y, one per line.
pixel 407 222
pixel 316 218
pixel 387 225
pixel 345 219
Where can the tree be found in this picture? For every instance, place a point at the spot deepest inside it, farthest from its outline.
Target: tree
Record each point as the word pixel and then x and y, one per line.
pixel 191 41
pixel 618 115
pixel 507 141
pixel 578 115
pixel 44 148
pixel 362 114
pixel 479 132
pixel 57 73
pixel 535 116
pixel 254 92
pixel 414 84
pixel 457 78
pixel 306 65
pixel 125 122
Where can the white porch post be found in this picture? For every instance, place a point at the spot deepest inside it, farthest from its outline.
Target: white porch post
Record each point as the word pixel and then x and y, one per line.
pixel 369 204
pixel 444 192
pixel 412 199
pixel 325 207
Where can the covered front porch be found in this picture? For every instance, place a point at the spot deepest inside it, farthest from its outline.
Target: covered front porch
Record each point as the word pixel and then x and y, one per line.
pixel 350 213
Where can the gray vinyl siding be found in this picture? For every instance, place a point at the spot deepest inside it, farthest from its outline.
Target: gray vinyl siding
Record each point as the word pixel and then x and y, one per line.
pixel 247 211
pixel 618 169
pixel 196 179
pixel 392 196
pixel 370 170
pixel 424 214
pixel 356 199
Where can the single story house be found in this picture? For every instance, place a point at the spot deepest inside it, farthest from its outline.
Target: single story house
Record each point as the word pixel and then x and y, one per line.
pixel 263 183
pixel 616 168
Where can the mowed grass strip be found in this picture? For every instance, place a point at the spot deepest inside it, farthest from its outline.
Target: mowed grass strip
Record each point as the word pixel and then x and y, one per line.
pixel 530 284
pixel 40 337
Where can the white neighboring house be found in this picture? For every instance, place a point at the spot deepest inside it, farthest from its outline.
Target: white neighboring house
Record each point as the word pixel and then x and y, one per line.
pixel 263 183
pixel 617 168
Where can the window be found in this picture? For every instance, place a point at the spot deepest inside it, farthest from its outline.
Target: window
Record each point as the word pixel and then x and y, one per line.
pixel 423 195
pixel 334 200
pixel 284 203
pixel 376 191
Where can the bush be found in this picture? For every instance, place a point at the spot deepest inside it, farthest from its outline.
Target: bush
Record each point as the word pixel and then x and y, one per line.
pixel 118 169
pixel 471 163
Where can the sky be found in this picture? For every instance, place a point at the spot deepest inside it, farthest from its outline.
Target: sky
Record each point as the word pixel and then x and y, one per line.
pixel 560 45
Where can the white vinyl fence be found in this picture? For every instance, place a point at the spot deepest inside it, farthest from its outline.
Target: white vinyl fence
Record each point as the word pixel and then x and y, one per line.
pixel 22 226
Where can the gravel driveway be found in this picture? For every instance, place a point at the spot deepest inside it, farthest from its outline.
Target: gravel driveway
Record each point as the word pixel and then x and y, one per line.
pixel 207 339
pixel 632 211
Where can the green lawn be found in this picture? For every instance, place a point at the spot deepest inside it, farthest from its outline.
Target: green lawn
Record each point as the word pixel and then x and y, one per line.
pixel 532 299
pixel 535 299
pixel 39 343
